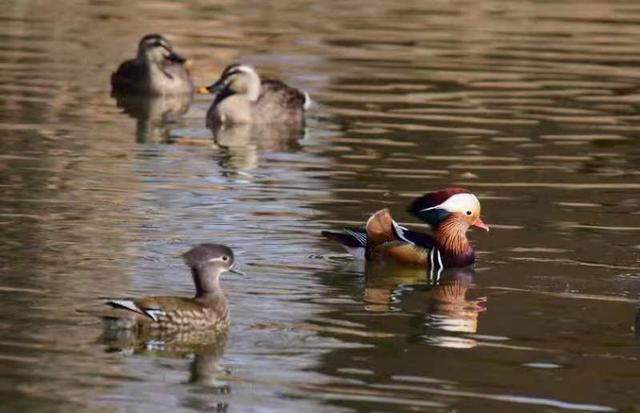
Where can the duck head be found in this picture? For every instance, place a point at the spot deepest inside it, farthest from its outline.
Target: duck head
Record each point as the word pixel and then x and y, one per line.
pixel 457 205
pixel 207 262
pixel 155 49
pixel 239 79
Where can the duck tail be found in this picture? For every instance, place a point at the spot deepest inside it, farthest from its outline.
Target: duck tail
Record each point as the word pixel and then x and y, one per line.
pixel 342 238
pixel 353 242
pixel 307 101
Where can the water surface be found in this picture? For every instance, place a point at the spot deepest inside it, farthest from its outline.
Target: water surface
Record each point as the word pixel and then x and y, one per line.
pixel 533 105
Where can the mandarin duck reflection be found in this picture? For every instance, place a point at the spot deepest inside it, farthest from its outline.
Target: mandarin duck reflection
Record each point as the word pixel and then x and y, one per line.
pixel 449 309
pixel 205 347
pixel 450 212
pixel 208 310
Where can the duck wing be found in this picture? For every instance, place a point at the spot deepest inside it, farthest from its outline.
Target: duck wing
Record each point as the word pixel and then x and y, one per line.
pixel 128 76
pixel 156 307
pixel 277 93
pixel 355 239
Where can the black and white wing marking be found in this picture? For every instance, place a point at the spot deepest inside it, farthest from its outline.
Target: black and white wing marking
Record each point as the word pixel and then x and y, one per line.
pixel 153 313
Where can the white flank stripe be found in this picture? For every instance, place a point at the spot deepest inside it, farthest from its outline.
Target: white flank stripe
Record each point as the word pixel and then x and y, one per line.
pixel 431 263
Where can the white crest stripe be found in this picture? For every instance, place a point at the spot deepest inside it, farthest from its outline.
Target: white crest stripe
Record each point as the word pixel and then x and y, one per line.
pixel 457 203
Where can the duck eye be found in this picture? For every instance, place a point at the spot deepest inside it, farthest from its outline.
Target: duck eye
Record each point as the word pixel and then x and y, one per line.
pixel 468 212
pixel 225 258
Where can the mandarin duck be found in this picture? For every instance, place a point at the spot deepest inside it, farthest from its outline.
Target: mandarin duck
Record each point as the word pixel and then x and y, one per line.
pixel 450 212
pixel 208 309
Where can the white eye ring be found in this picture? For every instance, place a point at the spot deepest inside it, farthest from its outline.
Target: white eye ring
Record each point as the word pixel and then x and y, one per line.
pixel 225 258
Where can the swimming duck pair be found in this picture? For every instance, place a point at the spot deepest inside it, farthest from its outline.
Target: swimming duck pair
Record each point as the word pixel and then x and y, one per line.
pixel 241 97
pixel 450 212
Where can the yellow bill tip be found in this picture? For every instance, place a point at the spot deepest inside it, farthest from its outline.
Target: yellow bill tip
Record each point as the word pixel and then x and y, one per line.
pixel 202 90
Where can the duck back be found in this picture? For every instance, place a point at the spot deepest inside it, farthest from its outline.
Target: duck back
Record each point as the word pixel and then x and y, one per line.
pixel 279 103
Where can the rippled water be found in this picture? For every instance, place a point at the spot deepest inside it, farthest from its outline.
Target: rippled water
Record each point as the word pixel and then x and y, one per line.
pixel 533 105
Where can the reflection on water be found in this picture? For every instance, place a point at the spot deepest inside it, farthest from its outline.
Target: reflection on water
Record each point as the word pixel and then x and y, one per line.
pixel 533 105
pixel 155 116
pixel 203 347
pixel 244 143
pixel 440 302
pixel 450 309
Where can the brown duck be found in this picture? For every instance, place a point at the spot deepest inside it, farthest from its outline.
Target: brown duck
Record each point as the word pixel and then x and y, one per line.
pixel 208 309
pixel 156 71
pixel 241 97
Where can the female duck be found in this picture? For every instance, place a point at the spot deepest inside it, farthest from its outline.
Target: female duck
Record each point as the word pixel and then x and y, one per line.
pixel 207 310
pixel 450 211
pixel 156 70
pixel 242 98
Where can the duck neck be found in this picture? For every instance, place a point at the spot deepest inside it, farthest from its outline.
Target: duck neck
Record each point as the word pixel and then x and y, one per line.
pixel 206 281
pixel 451 237
pixel 253 87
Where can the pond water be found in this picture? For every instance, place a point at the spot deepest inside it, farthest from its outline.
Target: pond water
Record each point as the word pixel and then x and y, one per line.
pixel 533 105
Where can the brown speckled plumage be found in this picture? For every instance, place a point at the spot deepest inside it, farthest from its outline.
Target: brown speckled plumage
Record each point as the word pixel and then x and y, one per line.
pixel 207 310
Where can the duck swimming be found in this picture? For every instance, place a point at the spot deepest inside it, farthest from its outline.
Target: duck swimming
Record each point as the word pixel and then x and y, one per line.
pixel 208 309
pixel 157 70
pixel 450 212
pixel 241 97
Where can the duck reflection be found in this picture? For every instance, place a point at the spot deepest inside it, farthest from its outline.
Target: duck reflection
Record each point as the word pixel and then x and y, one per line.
pixel 243 143
pixel 155 116
pixel 449 308
pixel 206 348
pixel 387 283
pixel 440 299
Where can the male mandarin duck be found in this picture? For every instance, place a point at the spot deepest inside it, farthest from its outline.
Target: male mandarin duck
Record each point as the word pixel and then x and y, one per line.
pixel 207 310
pixel 450 212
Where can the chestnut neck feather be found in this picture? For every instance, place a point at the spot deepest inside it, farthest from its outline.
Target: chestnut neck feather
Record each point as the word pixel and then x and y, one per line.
pixel 451 236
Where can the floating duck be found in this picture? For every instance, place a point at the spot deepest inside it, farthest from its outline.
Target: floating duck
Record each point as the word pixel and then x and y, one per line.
pixel 157 70
pixel 207 310
pixel 450 212
pixel 241 97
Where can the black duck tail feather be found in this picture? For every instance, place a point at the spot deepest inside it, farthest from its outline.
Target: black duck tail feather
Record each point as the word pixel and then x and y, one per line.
pixel 347 240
